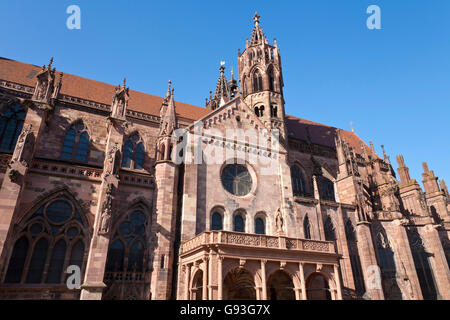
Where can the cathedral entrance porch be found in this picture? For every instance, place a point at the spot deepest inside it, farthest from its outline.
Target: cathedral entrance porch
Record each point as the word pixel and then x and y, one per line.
pixel 223 265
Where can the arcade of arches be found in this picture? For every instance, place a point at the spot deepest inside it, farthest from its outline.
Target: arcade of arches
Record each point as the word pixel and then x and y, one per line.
pixel 217 265
pixel 294 281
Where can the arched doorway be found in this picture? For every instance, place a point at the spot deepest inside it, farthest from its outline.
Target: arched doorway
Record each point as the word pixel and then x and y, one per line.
pixel 280 286
pixel 317 287
pixel 197 286
pixel 239 285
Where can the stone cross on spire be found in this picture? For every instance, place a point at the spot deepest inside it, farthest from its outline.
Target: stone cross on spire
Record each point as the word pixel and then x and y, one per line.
pixel 256 19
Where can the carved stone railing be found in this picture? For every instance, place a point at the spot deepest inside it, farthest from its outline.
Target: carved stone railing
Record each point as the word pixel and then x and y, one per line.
pixel 256 241
pixel 68 170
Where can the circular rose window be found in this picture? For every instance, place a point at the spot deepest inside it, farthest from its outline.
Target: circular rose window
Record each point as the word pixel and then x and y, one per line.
pixel 236 179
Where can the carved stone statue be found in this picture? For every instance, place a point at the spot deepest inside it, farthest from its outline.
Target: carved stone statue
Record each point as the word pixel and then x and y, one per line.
pixel 279 221
pixel 120 101
pixel 20 146
pixel 111 164
pixel 106 211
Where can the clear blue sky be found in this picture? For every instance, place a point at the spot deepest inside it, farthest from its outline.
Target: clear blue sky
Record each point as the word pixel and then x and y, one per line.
pixel 392 83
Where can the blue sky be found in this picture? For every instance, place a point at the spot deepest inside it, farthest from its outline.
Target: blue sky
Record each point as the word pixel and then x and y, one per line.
pixel 392 83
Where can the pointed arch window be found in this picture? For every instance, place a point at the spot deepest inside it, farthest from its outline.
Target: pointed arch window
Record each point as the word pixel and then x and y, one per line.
pixel 307 228
pixel 48 234
pixel 327 189
pixel 259 111
pixel 330 231
pixel 298 181
pixel 133 153
pixel 423 267
pixel 355 260
pixel 274 111
pixel 257 81
pixel 127 250
pixel 76 143
pixel 11 124
pixel 271 79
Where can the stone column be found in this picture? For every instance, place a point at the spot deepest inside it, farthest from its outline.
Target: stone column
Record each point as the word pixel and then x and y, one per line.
pixel 210 272
pixel 338 282
pixel 318 209
pixel 302 281
pixel 15 176
pixel 93 285
pixel 297 293
pixel 205 279
pixel 438 261
pixel 368 260
pixel 345 263
pixel 407 267
pixel 187 279
pixel 219 278
pixel 263 279
pixel 166 176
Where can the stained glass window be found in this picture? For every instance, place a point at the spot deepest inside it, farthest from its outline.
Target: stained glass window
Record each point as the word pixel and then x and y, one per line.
pixel 76 143
pixel 298 181
pixel 59 221
pixel 11 123
pixel 133 153
pixel 128 239
pixel 236 179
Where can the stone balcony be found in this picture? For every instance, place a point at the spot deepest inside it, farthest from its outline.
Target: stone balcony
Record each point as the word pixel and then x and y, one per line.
pixel 255 241
pixel 234 265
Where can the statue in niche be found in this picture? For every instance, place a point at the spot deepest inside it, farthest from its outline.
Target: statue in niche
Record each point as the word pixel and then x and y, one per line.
pixel 279 221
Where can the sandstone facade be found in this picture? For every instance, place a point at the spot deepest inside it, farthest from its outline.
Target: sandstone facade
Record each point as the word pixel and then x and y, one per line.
pixel 90 177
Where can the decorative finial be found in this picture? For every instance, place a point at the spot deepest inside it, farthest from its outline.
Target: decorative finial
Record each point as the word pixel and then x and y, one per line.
pixel 124 82
pixel 256 18
pixel 50 63
pixel 232 74
pixel 351 125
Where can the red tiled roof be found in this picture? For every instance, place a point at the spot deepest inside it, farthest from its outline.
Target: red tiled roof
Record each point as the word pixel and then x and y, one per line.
pixel 323 134
pixel 75 86
pixel 93 90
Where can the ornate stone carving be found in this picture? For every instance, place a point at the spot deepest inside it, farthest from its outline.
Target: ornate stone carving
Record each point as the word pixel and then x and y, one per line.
pixel 316 246
pixel 13 175
pixel 20 146
pixel 112 161
pixel 45 91
pixel 106 211
pixel 120 101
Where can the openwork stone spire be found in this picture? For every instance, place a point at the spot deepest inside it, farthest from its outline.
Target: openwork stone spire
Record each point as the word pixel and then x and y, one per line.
pixel 258 36
pixel 168 115
pixel 222 85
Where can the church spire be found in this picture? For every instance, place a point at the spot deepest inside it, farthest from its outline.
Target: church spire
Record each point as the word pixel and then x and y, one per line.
pixel 224 91
pixel 168 114
pixel 258 36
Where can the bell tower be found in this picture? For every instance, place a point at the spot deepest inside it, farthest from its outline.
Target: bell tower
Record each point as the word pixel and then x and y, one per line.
pixel 261 79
